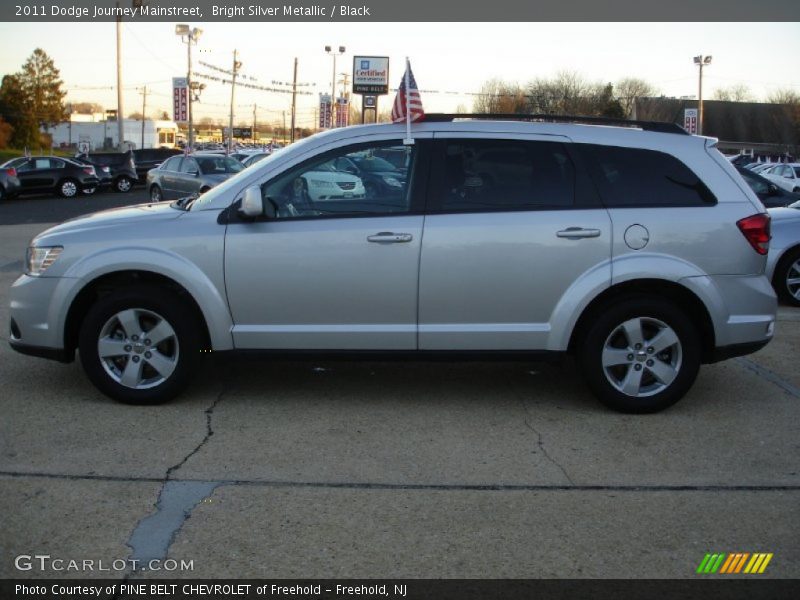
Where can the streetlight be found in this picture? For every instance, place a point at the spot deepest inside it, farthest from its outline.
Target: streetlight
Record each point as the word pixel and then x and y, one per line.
pixel 701 61
pixel 330 51
pixel 189 36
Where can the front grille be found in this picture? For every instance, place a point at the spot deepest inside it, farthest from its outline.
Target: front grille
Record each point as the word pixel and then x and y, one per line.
pixel 346 185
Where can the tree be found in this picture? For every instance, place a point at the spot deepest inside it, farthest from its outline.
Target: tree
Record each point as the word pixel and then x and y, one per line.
pixel 497 96
pixel 85 108
pixel 734 93
pixel 15 109
pixel 136 116
pixel 630 89
pixel 784 96
pixel 6 132
pixel 41 84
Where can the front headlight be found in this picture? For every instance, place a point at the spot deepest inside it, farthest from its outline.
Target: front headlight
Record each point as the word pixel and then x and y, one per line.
pixel 391 181
pixel 39 258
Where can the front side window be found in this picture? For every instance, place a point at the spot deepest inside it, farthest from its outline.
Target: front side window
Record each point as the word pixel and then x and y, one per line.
pixel 333 184
pixel 488 175
pixel 631 177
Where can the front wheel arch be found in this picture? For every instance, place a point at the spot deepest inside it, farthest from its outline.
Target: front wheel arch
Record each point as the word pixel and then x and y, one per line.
pixel 110 282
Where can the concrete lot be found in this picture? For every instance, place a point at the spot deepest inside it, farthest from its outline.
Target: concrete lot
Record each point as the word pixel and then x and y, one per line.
pixel 344 469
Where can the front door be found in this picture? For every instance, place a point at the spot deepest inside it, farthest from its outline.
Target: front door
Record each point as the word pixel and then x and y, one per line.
pixel 334 268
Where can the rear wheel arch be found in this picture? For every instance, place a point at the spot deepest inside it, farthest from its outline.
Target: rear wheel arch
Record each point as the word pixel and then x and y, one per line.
pixel 110 282
pixel 678 295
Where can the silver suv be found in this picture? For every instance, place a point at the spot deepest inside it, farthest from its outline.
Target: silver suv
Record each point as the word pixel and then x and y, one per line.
pixel 637 249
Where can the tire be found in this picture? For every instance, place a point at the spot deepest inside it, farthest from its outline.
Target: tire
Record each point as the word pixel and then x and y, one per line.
pixel 68 188
pixel 786 279
pixel 156 195
pixel 643 379
pixel 123 184
pixel 134 369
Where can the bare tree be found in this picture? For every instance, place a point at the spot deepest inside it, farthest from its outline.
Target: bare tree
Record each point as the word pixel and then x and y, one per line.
pixel 784 96
pixel 497 96
pixel 630 89
pixel 734 93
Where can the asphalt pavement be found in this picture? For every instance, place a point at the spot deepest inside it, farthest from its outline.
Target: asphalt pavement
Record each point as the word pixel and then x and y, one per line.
pixel 278 469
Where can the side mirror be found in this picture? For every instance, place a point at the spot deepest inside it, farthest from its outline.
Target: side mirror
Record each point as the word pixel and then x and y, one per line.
pixel 195 173
pixel 253 204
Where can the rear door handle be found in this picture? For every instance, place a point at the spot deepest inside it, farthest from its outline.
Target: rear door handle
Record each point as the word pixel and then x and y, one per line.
pixel 388 237
pixel 576 233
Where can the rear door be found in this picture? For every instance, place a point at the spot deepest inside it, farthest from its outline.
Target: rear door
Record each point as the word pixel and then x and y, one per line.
pixel 512 224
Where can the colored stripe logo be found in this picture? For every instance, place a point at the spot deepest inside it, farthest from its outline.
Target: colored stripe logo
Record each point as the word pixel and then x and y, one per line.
pixel 734 563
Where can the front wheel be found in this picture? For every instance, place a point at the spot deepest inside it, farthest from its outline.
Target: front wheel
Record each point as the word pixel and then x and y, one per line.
pixel 156 194
pixel 786 280
pixel 139 345
pixel 640 355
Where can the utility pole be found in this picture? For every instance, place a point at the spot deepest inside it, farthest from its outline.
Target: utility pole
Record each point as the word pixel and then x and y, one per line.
pixel 253 136
pixel 294 99
pixel 284 127
pixel 334 54
pixel 236 66
pixel 346 95
pixel 144 113
pixel 120 125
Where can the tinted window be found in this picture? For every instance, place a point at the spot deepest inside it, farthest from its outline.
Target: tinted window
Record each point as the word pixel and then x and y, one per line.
pixel 636 177
pixel 506 175
pixel 758 185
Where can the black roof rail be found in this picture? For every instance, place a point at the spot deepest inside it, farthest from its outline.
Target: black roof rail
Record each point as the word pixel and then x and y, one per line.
pixel 658 126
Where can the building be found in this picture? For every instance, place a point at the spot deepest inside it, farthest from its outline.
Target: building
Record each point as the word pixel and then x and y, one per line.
pixel 752 128
pixel 103 134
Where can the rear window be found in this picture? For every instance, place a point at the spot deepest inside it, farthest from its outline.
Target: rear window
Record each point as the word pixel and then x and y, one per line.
pixel 630 177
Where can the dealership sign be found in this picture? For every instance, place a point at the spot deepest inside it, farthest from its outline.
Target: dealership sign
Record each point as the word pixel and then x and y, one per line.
pixel 180 99
pixel 690 120
pixel 371 75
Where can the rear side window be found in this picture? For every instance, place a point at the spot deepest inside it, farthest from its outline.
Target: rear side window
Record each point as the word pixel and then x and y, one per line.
pixel 632 177
pixel 487 175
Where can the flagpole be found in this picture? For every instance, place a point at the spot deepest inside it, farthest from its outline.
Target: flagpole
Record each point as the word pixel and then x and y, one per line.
pixel 409 140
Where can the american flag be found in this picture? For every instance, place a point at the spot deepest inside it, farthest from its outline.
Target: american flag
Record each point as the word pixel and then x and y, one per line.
pixel 416 113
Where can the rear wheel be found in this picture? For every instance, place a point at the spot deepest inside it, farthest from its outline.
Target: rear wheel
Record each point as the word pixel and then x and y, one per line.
pixel 68 188
pixel 640 355
pixel 786 280
pixel 155 194
pixel 123 184
pixel 138 345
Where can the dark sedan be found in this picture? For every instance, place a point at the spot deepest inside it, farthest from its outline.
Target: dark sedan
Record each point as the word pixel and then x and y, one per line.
pixel 183 176
pixel 118 168
pixel 770 194
pixel 66 177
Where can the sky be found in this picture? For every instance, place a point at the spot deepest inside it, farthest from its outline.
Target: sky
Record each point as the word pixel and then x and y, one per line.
pixel 455 57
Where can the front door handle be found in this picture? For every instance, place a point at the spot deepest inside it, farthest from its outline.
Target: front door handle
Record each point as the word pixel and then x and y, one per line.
pixel 388 237
pixel 576 233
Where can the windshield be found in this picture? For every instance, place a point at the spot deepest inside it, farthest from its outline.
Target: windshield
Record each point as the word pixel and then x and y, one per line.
pixel 216 165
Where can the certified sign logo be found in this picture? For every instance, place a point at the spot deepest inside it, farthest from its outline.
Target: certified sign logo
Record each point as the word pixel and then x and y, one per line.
pixel 365 64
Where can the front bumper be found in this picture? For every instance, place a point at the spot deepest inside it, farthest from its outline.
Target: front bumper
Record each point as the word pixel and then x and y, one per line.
pixel 37 313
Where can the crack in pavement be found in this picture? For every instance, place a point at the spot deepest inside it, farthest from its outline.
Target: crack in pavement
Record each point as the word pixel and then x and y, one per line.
pixel 770 376
pixel 154 534
pixel 540 442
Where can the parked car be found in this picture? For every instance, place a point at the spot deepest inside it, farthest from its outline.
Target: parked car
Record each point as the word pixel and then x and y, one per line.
pixel 120 166
pixel 254 158
pixel 770 194
pixel 150 158
pixel 783 261
pixel 66 177
pixel 786 176
pixel 379 177
pixel 636 248
pixel 183 176
pixel 325 183
pixel 103 173
pixel 9 182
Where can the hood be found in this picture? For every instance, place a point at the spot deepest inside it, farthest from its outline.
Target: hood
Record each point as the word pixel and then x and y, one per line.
pixel 113 218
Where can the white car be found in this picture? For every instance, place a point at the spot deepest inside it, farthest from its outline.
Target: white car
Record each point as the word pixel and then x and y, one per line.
pixel 786 176
pixel 326 183
pixel 783 260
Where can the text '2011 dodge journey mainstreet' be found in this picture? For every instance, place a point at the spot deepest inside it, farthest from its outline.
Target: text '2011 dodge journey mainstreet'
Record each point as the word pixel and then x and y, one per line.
pixel 637 249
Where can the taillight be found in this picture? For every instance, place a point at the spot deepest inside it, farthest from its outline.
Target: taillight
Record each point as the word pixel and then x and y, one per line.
pixel 11 172
pixel 756 229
